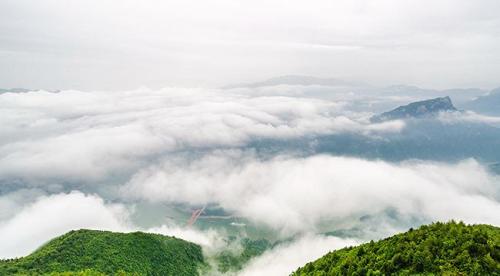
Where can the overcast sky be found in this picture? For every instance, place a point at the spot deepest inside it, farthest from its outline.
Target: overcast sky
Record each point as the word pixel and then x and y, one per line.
pixel 103 44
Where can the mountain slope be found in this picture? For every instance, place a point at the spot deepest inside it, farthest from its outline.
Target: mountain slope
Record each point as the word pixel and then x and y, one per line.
pixel 425 108
pixel 107 252
pixel 440 248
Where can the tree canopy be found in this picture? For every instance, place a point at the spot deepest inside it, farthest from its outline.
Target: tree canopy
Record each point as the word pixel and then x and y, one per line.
pixel 440 248
pixel 95 253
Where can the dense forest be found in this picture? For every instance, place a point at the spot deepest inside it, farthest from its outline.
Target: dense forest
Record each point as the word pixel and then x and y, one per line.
pixel 440 248
pixel 93 253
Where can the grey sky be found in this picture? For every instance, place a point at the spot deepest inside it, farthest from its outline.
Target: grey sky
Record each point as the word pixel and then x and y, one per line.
pixel 103 44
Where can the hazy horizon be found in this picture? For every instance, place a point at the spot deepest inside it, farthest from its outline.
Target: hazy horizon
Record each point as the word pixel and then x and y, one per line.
pixel 104 45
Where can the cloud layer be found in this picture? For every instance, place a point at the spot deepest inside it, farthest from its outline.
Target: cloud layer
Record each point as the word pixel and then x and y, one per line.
pixel 50 216
pixel 284 259
pixel 295 194
pixel 76 159
pixel 89 136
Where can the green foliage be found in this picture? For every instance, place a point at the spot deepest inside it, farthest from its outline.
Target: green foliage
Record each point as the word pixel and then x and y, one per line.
pixel 86 272
pixel 231 261
pixel 96 253
pixel 440 248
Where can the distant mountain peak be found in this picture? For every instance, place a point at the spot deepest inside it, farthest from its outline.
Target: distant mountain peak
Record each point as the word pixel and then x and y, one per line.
pixel 418 109
pixel 296 80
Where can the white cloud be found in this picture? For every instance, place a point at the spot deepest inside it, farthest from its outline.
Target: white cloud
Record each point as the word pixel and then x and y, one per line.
pixel 88 136
pixel 469 116
pixel 295 194
pixel 11 203
pixel 50 216
pixel 284 259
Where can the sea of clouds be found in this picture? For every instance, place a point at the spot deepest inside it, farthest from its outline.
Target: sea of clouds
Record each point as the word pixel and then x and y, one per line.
pixel 75 159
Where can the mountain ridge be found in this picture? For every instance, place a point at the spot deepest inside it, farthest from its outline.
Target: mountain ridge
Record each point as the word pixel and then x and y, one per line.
pixel 419 109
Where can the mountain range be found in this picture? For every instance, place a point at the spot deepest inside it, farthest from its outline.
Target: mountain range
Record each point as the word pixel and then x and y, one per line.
pixel 475 99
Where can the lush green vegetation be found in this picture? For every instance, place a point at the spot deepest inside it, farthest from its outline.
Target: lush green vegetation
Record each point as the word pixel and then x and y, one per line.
pixel 96 253
pixel 440 248
pixel 233 261
pixel 86 272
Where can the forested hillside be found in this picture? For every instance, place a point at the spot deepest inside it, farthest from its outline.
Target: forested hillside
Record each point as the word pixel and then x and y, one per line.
pixel 90 252
pixel 440 248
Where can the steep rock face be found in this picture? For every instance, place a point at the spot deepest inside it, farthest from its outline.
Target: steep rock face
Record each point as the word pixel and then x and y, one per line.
pixel 419 109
